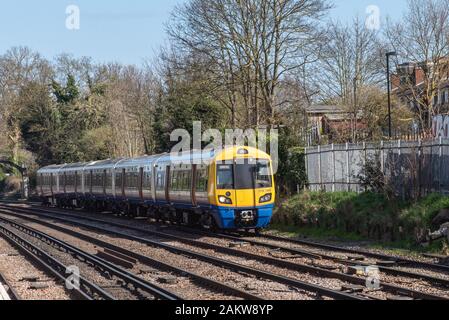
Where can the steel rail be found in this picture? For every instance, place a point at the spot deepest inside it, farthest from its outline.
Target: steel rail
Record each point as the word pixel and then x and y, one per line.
pixel 295 251
pixel 12 293
pixel 210 259
pixel 383 257
pixel 146 260
pixel 99 263
pixel 87 289
pixel 277 262
pixel 379 256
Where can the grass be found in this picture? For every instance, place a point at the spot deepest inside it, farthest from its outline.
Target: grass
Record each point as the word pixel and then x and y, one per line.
pixel 313 233
pixel 404 247
pixel 369 218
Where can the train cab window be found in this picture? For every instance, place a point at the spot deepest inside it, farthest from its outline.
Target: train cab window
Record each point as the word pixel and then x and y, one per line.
pixel 225 176
pixel 263 174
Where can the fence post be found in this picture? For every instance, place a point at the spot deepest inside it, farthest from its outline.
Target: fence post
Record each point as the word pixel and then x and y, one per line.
pixel 400 169
pixel 333 167
pixel 382 164
pixel 419 166
pixel 440 164
pixel 320 176
pixel 348 168
pixel 306 157
pixel 365 160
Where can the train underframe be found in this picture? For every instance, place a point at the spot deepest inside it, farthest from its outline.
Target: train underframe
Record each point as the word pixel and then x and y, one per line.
pixel 195 217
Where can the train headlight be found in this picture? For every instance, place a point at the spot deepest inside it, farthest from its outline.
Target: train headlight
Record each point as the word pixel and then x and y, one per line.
pixel 266 198
pixel 224 200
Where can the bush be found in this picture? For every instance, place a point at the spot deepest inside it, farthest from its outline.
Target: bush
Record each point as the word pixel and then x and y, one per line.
pixel 370 215
pixel 12 184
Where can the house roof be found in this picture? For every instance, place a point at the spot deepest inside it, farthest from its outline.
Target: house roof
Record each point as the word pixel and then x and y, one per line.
pixel 325 109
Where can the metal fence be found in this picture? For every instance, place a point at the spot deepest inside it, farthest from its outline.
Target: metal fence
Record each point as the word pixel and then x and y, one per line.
pixel 409 168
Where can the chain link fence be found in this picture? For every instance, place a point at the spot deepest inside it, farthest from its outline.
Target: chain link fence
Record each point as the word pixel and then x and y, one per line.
pixel 410 168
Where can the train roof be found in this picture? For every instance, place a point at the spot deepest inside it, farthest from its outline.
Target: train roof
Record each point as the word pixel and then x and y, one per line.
pixel 140 161
pixel 102 164
pixel 51 168
pixel 193 156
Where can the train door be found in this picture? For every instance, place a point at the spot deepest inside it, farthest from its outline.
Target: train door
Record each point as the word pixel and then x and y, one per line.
pixel 64 182
pixel 51 184
pixel 154 182
pixel 140 184
pixel 193 185
pixel 105 172
pixel 91 174
pixel 75 190
pixel 167 183
pixel 123 182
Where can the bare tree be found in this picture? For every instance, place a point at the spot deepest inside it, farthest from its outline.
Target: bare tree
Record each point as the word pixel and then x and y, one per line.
pixel 349 62
pixel 252 45
pixel 423 37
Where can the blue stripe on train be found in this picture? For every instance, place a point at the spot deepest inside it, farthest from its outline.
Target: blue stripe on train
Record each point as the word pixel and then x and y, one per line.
pixel 225 216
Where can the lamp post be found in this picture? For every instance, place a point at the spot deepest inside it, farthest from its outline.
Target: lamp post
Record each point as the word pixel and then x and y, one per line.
pixel 388 55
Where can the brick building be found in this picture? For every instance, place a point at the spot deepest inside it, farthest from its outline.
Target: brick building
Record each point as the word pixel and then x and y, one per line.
pixel 410 80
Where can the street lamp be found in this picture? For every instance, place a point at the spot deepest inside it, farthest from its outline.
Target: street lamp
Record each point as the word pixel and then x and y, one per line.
pixel 388 55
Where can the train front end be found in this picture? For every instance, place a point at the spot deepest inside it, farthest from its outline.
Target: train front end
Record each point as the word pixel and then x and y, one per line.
pixel 244 187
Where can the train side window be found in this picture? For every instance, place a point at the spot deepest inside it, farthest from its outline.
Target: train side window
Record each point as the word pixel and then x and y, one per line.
pixel 174 180
pixel 201 180
pixel 160 181
pixel 188 180
pixel 118 179
pixel 147 180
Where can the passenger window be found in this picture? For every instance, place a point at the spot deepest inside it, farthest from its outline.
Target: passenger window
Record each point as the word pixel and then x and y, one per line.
pixel 201 180
pixel 160 181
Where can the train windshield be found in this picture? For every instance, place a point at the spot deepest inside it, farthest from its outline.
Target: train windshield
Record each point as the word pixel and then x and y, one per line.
pixel 253 174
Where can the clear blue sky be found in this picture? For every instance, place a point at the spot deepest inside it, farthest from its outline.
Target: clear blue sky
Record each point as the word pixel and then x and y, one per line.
pixel 126 31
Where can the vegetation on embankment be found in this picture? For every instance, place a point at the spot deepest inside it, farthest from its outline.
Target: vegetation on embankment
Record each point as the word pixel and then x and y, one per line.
pixel 352 216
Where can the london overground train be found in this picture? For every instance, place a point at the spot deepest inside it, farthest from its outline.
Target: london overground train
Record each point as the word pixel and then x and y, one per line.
pixel 230 189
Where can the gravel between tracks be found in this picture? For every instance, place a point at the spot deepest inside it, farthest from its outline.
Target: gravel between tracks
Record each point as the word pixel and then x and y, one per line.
pixel 86 270
pixel 183 286
pixel 408 283
pixel 15 267
pixel 263 288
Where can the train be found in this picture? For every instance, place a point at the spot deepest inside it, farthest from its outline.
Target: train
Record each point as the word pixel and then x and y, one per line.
pixel 229 189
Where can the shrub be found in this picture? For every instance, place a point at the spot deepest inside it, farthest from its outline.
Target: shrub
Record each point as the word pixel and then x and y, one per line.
pixel 370 215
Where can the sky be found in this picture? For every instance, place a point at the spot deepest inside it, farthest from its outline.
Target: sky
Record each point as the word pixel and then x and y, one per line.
pixel 126 31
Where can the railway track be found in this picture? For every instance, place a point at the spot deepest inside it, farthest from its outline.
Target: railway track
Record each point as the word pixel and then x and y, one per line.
pixel 223 263
pixel 7 291
pixel 382 257
pixel 130 286
pixel 387 264
pixel 123 253
pixel 400 291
